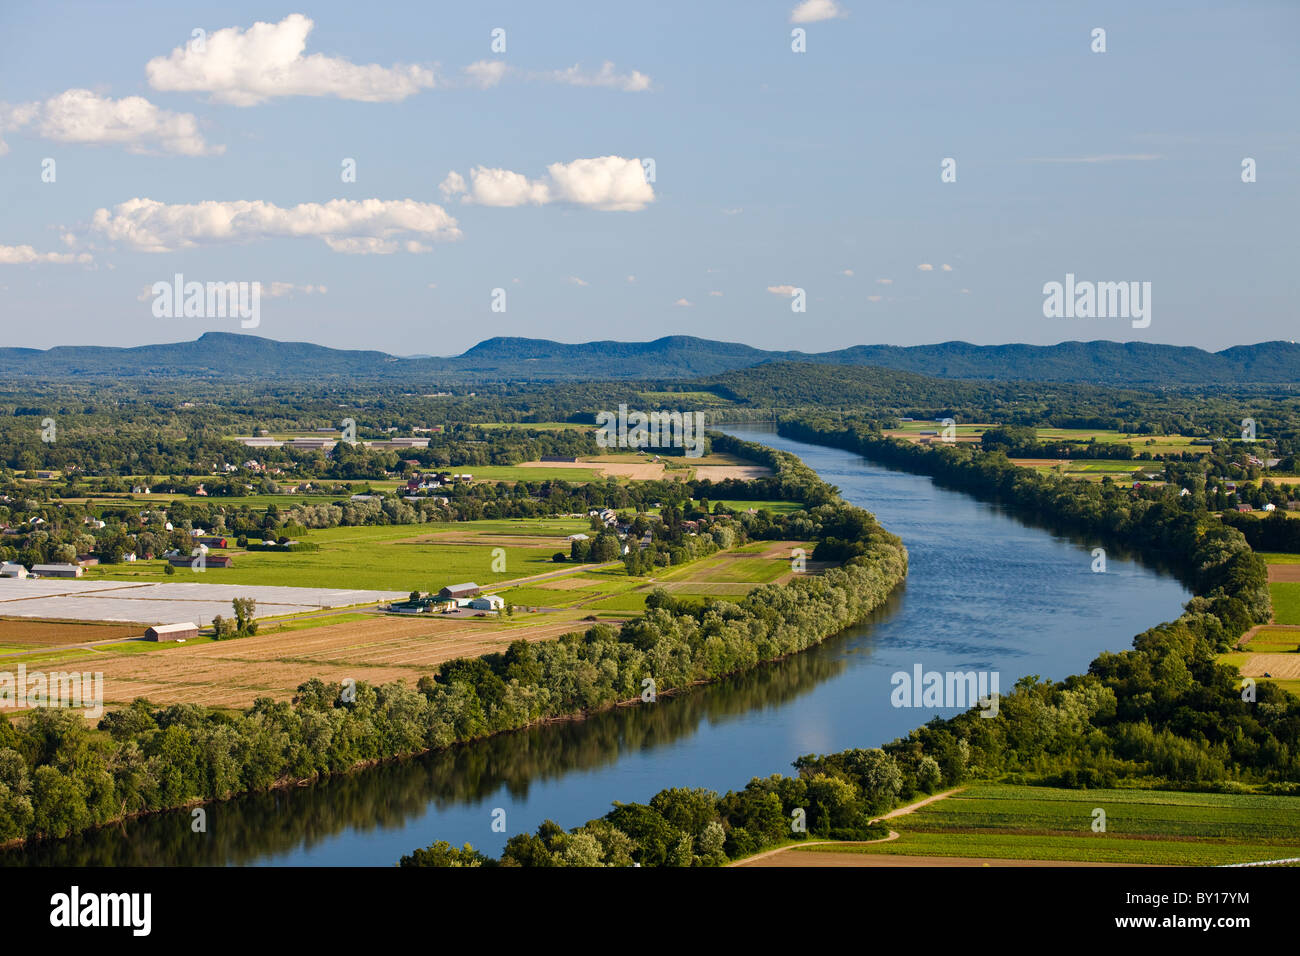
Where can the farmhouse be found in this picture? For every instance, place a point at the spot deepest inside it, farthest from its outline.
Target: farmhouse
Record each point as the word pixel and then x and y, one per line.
pixel 214 541
pixel 12 570
pixel 220 561
pixel 58 570
pixel 172 632
pixel 458 592
pixel 488 602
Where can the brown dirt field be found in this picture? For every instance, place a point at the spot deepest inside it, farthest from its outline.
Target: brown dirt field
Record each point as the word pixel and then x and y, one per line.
pixel 723 472
pixel 41 633
pixel 799 857
pixel 1029 462
pixel 1282 666
pixel 1283 572
pixel 233 673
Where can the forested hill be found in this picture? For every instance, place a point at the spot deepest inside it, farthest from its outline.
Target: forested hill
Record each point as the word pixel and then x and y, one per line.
pixel 232 356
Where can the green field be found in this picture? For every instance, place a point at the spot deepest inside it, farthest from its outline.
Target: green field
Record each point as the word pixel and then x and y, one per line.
pixel 381 557
pixel 1141 826
pixel 1286 602
pixel 1274 641
pixel 772 507
pixel 1273 557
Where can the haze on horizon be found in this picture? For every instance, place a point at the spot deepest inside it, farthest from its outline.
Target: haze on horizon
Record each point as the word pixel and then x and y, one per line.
pixel 387 173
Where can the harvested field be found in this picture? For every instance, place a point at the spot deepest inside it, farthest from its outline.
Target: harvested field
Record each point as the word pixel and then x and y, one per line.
pixel 43 633
pixel 234 673
pixel 637 471
pixel 723 472
pixel 1283 572
pixel 1282 666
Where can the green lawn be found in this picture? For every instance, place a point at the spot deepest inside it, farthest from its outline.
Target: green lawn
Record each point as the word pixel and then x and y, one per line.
pixel 1286 602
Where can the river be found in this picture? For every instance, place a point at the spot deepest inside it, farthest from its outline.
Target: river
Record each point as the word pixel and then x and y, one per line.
pixel 985 591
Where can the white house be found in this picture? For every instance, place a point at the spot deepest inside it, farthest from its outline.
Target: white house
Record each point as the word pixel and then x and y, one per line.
pixel 1270 507
pixel 10 570
pixel 488 602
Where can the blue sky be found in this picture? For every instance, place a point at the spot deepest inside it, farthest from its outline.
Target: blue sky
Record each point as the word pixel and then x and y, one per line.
pixel 817 170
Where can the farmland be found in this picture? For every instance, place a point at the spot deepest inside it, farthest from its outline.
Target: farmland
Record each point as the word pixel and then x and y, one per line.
pixel 385 557
pixel 1142 827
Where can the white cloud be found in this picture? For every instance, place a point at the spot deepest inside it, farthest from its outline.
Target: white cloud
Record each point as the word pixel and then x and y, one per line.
pixel 489 73
pixel 718 294
pixel 634 82
pixel 80 116
pixel 926 267
pixel 495 187
pixel 631 278
pixel 276 290
pixel 610 183
pixel 576 281
pixel 814 11
pixel 965 291
pixel 346 225
pixel 884 281
pixel 874 298
pixel 781 289
pixel 733 212
pixel 847 272
pixel 946 268
pixel 22 255
pixel 486 73
pixel 247 67
pixel 683 303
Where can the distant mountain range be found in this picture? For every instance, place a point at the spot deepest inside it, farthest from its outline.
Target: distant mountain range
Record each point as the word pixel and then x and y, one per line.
pixel 232 356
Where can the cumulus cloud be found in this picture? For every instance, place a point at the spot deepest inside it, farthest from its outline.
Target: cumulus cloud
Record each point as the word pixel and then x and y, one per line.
pixel 80 116
pixel 486 73
pixel 814 11
pixel 884 281
pixel 683 303
pixel 489 73
pixel 925 267
pixel 246 67
pixel 346 225
pixel 781 289
pixel 874 298
pixel 22 255
pixel 633 82
pixel 576 281
pixel 946 268
pixel 716 293
pixel 609 183
pixel 847 272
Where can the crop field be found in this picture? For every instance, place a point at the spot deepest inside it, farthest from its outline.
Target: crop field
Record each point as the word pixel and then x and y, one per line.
pixel 377 649
pixel 735 506
pixel 383 557
pixel 1141 827
pixel 21 635
pixel 1286 601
